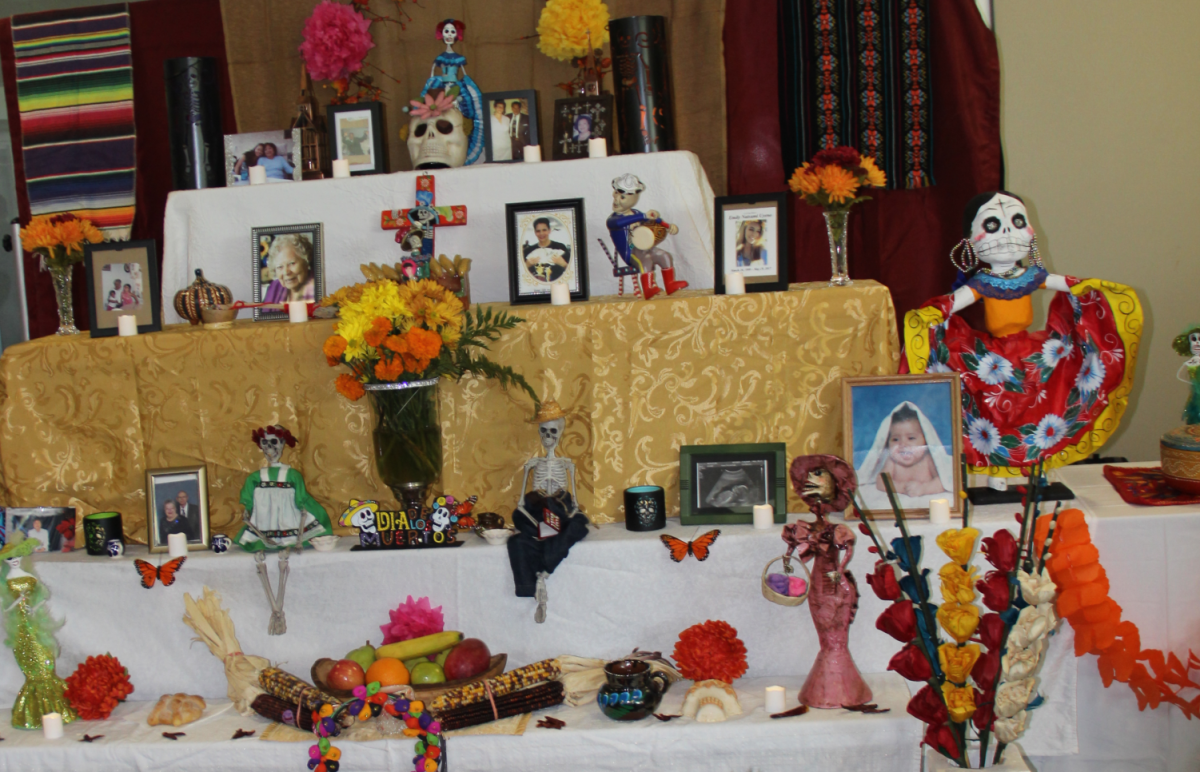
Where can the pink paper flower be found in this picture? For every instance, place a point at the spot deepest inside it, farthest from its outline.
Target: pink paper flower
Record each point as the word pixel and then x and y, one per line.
pixel 336 38
pixel 413 619
pixel 434 105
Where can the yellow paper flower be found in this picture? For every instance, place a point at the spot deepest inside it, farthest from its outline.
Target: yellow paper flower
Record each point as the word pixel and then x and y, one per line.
pixel 958 544
pixel 958 586
pixel 960 701
pixel 958 620
pixel 804 182
pixel 957 661
pixel 564 26
pixel 875 176
pixel 840 184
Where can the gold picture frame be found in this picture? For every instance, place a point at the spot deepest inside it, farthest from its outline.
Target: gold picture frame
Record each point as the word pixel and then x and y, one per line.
pixel 167 486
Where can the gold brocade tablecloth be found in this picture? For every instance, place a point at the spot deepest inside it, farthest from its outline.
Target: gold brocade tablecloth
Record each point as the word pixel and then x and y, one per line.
pixel 81 420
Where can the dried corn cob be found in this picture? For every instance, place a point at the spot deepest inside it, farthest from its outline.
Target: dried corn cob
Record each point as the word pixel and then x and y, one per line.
pixel 277 710
pixel 544 695
pixel 292 690
pixel 512 681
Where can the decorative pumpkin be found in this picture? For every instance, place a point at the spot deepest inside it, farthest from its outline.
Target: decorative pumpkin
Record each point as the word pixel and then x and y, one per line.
pixel 198 294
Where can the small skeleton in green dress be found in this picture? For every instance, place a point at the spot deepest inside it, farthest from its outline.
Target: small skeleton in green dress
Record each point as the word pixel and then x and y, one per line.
pixel 1188 342
pixel 31 635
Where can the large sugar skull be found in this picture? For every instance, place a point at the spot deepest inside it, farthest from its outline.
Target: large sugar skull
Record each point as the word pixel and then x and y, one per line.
pixel 1000 230
pixel 438 141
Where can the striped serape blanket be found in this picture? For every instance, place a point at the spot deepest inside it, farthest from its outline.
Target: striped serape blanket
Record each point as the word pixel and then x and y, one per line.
pixel 75 96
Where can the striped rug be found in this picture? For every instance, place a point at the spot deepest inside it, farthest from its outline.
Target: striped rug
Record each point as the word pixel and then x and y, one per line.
pixel 75 96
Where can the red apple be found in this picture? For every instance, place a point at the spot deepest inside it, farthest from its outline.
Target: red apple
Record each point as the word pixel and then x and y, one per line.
pixel 346 675
pixel 467 660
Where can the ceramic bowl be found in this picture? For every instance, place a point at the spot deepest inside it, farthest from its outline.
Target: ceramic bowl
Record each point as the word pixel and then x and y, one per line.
pixel 323 543
pixel 497 536
pixel 218 314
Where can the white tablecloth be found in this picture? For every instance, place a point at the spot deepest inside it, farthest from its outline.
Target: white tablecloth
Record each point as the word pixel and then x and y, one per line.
pixel 210 229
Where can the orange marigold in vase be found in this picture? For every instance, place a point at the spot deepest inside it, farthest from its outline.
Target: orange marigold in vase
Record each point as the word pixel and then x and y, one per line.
pixel 423 344
pixel 389 369
pixel 96 687
pixel 840 184
pixel 710 650
pixel 335 346
pixel 349 387
pixel 379 330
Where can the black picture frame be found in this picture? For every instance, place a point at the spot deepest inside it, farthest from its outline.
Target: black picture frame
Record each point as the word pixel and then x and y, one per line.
pixel 765 463
pixel 602 117
pixel 529 100
pixel 372 112
pixel 97 260
pixel 520 222
pixel 316 233
pixel 725 254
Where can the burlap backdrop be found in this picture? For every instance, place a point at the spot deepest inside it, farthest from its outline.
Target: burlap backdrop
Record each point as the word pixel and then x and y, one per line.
pixel 262 37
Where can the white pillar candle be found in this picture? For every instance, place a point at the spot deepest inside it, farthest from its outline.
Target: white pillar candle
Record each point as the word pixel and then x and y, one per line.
pixel 939 511
pixel 533 154
pixel 341 168
pixel 52 726
pixel 560 294
pixel 598 148
pixel 735 284
pixel 764 516
pixel 298 311
pixel 126 325
pixel 776 700
pixel 258 175
pixel 177 545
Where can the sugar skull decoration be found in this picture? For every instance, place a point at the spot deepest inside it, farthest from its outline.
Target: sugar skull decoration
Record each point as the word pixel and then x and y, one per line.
pixel 437 138
pixel 1052 396
pixel 636 236
pixel 437 135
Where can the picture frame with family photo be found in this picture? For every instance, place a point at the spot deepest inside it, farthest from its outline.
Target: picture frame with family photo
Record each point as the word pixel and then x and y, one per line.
pixel 909 426
pixel 52 527
pixel 723 483
pixel 356 134
pixel 510 125
pixel 751 238
pixel 273 150
pixel 287 263
pixel 547 243
pixel 578 119
pixel 122 279
pixel 177 502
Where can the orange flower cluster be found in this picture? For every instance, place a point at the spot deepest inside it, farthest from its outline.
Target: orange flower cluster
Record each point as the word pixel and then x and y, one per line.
pixel 349 387
pixel 1083 599
pixel 834 177
pixel 335 346
pixel 411 352
pixel 96 687
pixel 65 231
pixel 710 650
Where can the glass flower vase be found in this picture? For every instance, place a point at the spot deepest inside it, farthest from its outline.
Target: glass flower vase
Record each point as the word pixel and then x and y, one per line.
pixel 407 437
pixel 61 277
pixel 835 227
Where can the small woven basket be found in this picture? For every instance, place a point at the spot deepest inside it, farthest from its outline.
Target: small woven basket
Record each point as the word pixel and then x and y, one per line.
pixel 785 600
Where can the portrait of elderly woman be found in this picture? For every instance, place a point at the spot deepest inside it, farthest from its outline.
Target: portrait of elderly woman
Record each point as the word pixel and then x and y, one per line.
pixel 288 265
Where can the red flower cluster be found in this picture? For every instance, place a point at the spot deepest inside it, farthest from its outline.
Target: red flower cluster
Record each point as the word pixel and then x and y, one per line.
pixel 710 650
pixel 994 589
pixel 96 687
pixel 899 620
pixel 845 157
pixel 883 581
pixel 911 663
pixel 1001 550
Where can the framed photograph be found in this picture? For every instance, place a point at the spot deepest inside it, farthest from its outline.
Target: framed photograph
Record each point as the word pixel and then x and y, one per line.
pixel 722 483
pixel 122 279
pixel 287 262
pixel 909 426
pixel 751 239
pixel 177 502
pixel 511 124
pixel 579 119
pixel 356 134
pixel 271 149
pixel 547 243
pixel 53 528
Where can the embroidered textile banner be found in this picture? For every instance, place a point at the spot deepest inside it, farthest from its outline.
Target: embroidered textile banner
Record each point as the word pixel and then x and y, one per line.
pixel 75 94
pixel 856 73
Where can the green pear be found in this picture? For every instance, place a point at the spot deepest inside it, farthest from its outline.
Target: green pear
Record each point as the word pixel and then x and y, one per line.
pixel 441 658
pixel 412 663
pixel 364 655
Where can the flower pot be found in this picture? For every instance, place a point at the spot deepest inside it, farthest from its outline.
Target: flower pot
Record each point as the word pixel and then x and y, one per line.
pixel 1013 761
pixel 835 227
pixel 407 437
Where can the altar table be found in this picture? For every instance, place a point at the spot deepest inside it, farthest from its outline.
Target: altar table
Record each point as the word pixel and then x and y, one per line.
pixel 81 419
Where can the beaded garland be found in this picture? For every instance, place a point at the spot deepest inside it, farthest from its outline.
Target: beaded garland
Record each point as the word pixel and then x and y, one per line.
pixel 369 702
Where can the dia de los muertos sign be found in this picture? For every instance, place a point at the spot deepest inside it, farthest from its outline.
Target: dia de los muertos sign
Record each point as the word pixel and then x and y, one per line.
pixel 414 528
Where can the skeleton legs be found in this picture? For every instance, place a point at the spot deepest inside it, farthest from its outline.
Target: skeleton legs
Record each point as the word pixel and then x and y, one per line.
pixel 278 623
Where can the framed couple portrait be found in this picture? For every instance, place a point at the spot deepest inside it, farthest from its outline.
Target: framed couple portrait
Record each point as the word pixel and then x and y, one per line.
pixel 122 280
pixel 547 243
pixel 750 235
pixel 177 502
pixel 356 134
pixel 287 263
pixel 272 150
pixel 511 125
pixel 722 483
pixel 580 119
pixel 909 426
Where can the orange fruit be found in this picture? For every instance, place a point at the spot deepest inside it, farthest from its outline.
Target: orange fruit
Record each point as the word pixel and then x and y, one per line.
pixel 388 672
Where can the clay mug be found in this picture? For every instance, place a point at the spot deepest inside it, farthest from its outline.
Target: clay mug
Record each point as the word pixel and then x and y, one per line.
pixel 633 690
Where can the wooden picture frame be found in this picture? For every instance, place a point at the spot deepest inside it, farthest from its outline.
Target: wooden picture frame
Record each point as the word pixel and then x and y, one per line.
pixel 134 264
pixel 183 487
pixel 356 134
pixel 722 483
pixel 873 404
pixel 766 267
pixel 266 288
pixel 601 116
pixel 532 269
pixel 494 152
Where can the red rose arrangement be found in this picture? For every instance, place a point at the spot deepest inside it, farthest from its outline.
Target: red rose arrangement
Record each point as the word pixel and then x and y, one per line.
pixel 710 650
pixel 96 687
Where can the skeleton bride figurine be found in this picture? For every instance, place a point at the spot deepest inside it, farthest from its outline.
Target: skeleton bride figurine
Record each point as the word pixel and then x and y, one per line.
pixel 460 99
pixel 547 518
pixel 279 515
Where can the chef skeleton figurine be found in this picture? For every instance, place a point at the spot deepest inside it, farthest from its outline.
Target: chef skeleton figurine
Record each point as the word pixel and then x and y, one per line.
pixel 547 519
pixel 636 236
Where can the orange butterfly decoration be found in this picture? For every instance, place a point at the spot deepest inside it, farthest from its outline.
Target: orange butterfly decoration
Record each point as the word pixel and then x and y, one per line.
pixel 164 573
pixel 698 547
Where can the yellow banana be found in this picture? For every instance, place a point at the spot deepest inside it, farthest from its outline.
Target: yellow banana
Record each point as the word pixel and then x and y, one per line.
pixel 464 266
pixel 435 269
pixel 419 647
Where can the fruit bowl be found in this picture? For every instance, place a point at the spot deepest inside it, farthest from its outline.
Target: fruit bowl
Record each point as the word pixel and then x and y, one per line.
pixel 429 691
pixel 318 671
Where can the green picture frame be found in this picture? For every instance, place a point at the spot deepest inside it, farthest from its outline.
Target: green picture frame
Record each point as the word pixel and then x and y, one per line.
pixel 722 483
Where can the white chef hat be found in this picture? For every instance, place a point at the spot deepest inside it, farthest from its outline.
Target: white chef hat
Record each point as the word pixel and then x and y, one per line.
pixel 628 183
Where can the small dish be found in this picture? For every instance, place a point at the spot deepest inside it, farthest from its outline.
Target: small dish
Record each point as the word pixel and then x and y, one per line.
pixel 497 536
pixel 218 314
pixel 323 543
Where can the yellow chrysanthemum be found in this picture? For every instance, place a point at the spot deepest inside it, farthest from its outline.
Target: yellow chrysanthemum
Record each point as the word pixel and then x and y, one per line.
pixel 564 26
pixel 875 176
pixel 838 183
pixel 804 182
pixel 379 299
pixel 38 234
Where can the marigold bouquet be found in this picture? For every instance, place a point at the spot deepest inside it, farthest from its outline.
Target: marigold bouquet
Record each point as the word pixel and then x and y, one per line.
pixel 59 239
pixel 833 178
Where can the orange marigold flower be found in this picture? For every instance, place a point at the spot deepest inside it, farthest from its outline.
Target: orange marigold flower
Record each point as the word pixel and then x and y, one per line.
pixel 804 181
pixel 396 343
pixel 414 365
pixel 380 327
pixel 875 176
pixel 840 184
pixel 335 346
pixel 423 344
pixel 389 369
pixel 349 387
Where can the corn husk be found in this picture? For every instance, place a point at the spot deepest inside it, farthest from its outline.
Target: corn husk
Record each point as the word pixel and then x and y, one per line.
pixel 215 629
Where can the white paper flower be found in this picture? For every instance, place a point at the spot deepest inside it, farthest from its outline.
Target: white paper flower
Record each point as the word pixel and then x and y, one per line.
pixel 1010 729
pixel 1091 374
pixel 994 369
pixel 1012 697
pixel 1054 350
pixel 1037 588
pixel 934 366
pixel 983 435
pixel 1050 431
pixel 1019 664
pixel 1033 623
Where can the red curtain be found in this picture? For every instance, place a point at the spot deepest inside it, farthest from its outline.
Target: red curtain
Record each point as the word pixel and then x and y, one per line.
pixel 160 30
pixel 901 238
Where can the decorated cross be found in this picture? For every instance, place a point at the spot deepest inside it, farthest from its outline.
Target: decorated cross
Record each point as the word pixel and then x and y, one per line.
pixel 420 222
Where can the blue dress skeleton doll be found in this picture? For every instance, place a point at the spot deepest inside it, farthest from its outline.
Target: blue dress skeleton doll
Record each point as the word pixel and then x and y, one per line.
pixel 455 83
